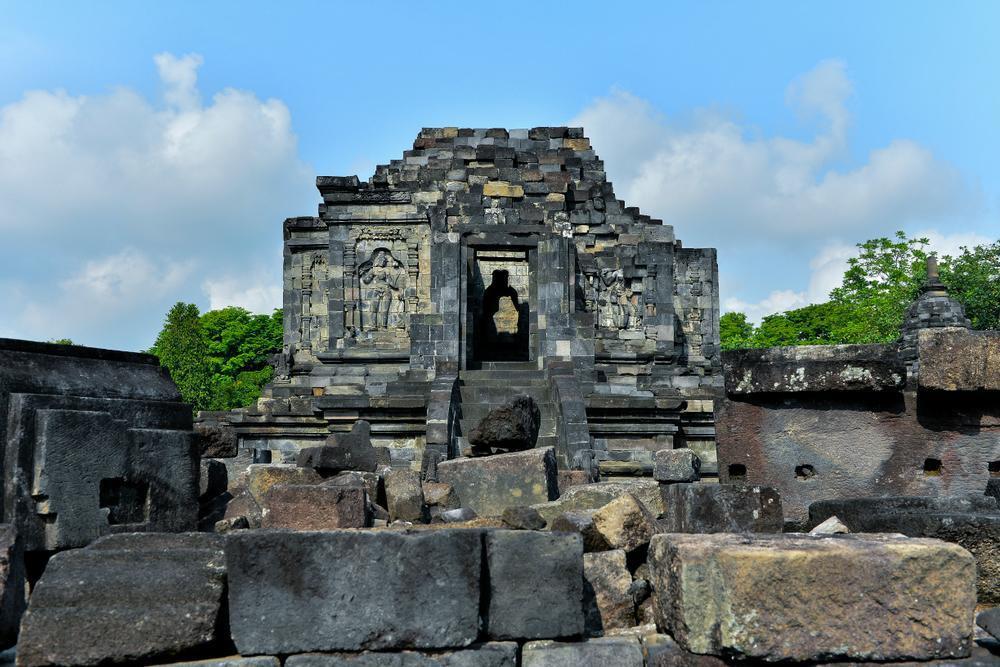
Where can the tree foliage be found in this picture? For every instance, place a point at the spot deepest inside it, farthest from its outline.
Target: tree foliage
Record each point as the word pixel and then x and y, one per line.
pixel 879 285
pixel 218 359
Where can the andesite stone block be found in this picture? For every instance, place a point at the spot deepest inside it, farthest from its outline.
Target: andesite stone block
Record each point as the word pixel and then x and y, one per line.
pixel 490 654
pixel 404 495
pixel 625 523
pixel 607 594
pixel 290 592
pixel 676 465
pixel 720 508
pixel 490 484
pixel 598 652
pixel 130 597
pixel 314 507
pixel 859 597
pixel 599 494
pixel 262 476
pixel 535 584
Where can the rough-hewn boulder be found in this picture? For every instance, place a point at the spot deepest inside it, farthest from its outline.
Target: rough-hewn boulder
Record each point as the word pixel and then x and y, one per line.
pixel 512 427
pixel 216 439
pixel 536 584
pixel 625 523
pixel 870 597
pixel 489 485
pixel 676 465
pixel 593 496
pixel 720 508
pixel 582 523
pixel 132 597
pixel 342 451
pixel 262 476
pixel 522 518
pixel 404 495
pixel 290 592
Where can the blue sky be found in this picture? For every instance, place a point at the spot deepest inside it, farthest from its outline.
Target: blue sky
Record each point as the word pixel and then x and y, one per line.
pixel 148 153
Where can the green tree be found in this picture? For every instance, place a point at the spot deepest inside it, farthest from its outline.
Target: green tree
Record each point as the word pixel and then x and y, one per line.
pixel 735 331
pixel 181 349
pixel 816 324
pixel 973 277
pixel 62 341
pixel 239 345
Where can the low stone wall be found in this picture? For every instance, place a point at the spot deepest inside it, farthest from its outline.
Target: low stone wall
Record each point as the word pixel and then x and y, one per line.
pixel 831 422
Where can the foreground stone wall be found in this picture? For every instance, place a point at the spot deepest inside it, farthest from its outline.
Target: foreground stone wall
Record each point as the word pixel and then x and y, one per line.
pixel 833 422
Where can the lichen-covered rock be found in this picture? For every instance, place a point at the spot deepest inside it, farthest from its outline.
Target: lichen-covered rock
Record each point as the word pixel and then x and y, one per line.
pixel 404 495
pixel 342 451
pixel 676 465
pixel 607 596
pixel 512 427
pixel 131 598
pixel 292 592
pixel 598 652
pixel 490 484
pixel 593 496
pixel 867 597
pixel 522 518
pixel 625 523
pixel 535 584
pixel 720 508
pixel 314 507
pixel 957 359
pixel 262 476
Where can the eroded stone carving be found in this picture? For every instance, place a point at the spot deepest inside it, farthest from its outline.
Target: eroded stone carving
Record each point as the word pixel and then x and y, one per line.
pixel 617 303
pixel 384 278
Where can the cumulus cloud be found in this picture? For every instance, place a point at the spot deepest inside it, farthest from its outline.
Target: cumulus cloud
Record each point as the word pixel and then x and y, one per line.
pixel 713 176
pixel 174 196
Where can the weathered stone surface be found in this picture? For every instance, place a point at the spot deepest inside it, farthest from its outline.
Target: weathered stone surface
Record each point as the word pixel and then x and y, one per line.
pixel 594 496
pixel 957 359
pixel 126 598
pixel 942 518
pixel 582 523
pixel 832 526
pixel 290 592
pixel 568 478
pixel 231 661
pixel 440 495
pixel 213 479
pixel 490 654
pixel 404 495
pixel 223 526
pixel 502 189
pixel 598 652
pixel 607 596
pixel 676 465
pixel 342 451
pixel 12 584
pixel 512 427
pixel 813 368
pixel 662 651
pixel 625 523
pixel 262 476
pixel 216 439
pixel 536 584
pixel 716 594
pixel 458 515
pixel 489 485
pixel 720 508
pixel 522 518
pixel 989 620
pixel 314 507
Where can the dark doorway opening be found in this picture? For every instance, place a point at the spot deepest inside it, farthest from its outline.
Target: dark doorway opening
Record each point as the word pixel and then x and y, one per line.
pixel 499 291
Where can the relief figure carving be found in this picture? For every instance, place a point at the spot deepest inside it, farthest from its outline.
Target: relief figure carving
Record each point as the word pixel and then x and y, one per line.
pixel 616 307
pixel 384 280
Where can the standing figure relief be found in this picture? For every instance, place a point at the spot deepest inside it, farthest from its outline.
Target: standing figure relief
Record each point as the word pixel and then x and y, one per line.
pixel 383 296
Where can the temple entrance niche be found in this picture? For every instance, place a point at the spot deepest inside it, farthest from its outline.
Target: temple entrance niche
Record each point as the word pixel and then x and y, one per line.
pixel 499 300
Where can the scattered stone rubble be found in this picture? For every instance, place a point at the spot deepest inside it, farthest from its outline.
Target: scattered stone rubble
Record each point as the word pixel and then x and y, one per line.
pixel 524 473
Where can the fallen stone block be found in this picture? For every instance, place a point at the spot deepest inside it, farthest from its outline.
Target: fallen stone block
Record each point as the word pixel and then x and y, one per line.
pixel 860 597
pixel 568 478
pixel 371 481
pixel 458 515
pixel 625 523
pixel 213 479
pixel 512 427
pixel 262 476
pixel 488 485
pixel 342 451
pixel 216 440
pixel 314 507
pixel 599 494
pixel 989 621
pixel 535 584
pixel 404 495
pixel 522 518
pixel 607 596
pixel 603 651
pixel 490 654
pixel 440 495
pixel 290 592
pixel 831 526
pixel 720 508
pixel 126 598
pixel 662 651
pixel 582 523
pixel 676 465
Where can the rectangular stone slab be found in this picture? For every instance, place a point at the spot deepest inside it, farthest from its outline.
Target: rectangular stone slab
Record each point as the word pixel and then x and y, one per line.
pixel 490 484
pixel 296 592
pixel 491 654
pixel 800 597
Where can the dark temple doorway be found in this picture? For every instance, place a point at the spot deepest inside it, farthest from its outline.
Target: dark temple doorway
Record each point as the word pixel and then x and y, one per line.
pixel 500 285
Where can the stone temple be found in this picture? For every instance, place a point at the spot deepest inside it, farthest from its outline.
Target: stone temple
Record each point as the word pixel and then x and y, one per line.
pixel 483 264
pixel 502 434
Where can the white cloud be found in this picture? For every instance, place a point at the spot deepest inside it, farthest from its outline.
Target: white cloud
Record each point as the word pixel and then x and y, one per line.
pixel 200 188
pixel 263 295
pixel 715 178
pixel 777 301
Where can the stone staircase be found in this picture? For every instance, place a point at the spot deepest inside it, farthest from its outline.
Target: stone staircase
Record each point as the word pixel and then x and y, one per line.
pixel 499 381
